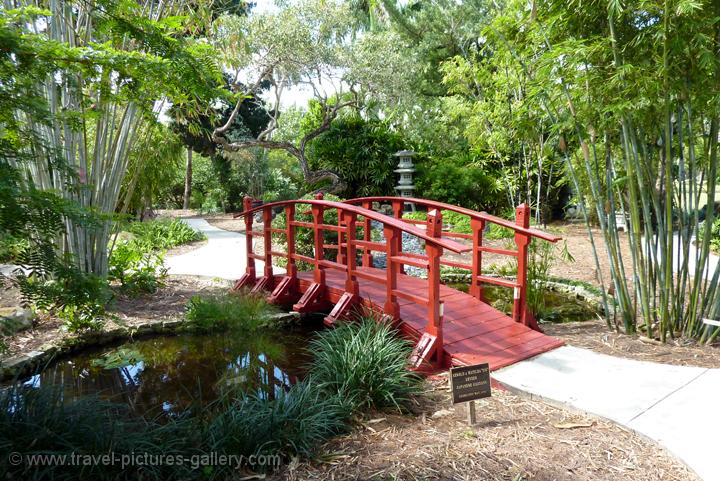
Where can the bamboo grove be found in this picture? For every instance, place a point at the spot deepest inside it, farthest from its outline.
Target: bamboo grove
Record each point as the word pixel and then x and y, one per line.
pixel 632 91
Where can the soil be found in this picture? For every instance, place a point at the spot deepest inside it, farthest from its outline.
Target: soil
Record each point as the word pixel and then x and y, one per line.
pixel 166 304
pixel 515 439
pixel 594 335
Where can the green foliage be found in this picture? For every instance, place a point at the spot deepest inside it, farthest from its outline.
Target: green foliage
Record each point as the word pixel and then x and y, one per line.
pixel 119 357
pixel 497 232
pixel 366 363
pixel 11 247
pixel 715 232
pixel 35 421
pixel 138 269
pixel 236 311
pixel 293 424
pixel 361 152
pixel 457 222
pixel 156 160
pixel 458 180
pixel 76 297
pixel 163 233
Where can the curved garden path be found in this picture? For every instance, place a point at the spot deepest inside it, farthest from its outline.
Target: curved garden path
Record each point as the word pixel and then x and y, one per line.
pixel 675 406
pixel 224 255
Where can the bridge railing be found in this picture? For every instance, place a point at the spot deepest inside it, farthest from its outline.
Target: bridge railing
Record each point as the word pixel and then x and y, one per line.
pixel 351 219
pixel 522 235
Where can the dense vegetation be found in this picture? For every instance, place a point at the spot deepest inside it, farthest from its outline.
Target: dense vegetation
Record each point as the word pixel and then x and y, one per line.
pixel 610 108
pixel 294 423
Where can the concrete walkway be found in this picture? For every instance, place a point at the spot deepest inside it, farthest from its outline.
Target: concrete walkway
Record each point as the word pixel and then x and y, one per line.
pixel 673 405
pixel 224 256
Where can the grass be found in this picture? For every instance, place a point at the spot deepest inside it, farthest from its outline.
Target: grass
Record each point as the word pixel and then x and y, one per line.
pixel 366 363
pixel 229 311
pixel 40 421
pixel 293 424
pixel 357 367
pixel 162 234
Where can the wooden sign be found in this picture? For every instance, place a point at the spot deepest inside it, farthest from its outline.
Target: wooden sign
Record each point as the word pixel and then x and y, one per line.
pixel 469 383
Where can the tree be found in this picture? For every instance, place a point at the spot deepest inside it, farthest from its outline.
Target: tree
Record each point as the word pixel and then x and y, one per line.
pixel 629 92
pixel 304 44
pixel 360 152
pixel 98 80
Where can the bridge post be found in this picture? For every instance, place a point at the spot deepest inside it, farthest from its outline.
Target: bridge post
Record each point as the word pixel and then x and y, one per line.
pixel 392 308
pixel 520 312
pixel 267 281
pixel 287 290
pixel 351 285
pixel 318 214
pixel 314 299
pixel 477 226
pixel 397 207
pixel 248 279
pixel 351 296
pixel 340 237
pixel 434 328
pixel 367 236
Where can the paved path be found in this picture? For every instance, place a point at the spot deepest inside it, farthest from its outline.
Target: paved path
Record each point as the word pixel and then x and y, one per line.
pixel 224 255
pixel 673 405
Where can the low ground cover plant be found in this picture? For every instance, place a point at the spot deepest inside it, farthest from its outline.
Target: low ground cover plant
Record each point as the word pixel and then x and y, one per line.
pixel 162 234
pixel 357 367
pixel 229 311
pixel 366 362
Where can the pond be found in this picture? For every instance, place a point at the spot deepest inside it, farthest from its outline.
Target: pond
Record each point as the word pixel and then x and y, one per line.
pixel 557 306
pixel 172 375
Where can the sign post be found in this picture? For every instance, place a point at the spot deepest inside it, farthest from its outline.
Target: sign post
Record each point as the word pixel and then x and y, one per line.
pixel 469 383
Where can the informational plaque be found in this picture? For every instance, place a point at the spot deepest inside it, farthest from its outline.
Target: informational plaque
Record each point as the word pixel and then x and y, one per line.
pixel 469 383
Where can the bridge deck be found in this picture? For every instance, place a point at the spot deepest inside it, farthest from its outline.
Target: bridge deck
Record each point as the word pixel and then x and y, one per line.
pixel 473 331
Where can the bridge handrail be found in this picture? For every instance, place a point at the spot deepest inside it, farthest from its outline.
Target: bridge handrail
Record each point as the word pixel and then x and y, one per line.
pixel 460 210
pixel 451 245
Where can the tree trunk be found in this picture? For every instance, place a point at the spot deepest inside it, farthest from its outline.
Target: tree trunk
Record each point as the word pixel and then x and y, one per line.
pixel 188 180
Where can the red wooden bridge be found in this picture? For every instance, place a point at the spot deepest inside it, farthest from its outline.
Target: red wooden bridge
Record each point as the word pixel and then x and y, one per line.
pixel 449 327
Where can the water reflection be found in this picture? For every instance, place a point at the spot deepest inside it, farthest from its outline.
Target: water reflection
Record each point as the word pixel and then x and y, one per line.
pixel 174 374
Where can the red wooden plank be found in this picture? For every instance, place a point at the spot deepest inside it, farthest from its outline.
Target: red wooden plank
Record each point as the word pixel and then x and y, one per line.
pixel 474 331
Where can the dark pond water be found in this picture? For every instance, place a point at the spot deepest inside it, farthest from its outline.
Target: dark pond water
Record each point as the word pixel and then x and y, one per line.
pixel 558 306
pixel 176 374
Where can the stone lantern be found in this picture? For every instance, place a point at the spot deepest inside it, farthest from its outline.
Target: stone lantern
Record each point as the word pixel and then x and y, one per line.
pixel 406 168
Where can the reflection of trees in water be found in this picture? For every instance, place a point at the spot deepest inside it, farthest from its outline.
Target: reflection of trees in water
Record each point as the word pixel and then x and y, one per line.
pixel 186 372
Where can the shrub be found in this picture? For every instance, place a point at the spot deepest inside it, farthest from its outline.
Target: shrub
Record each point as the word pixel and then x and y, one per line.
pixel 163 233
pixel 459 181
pixel 366 363
pixel 229 311
pixel 498 232
pixel 361 152
pixel 137 270
pixel 292 424
pixel 12 247
pixel 78 298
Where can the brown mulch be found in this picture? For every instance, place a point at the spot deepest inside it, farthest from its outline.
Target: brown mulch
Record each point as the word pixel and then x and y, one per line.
pixel 595 335
pixel 515 439
pixel 166 304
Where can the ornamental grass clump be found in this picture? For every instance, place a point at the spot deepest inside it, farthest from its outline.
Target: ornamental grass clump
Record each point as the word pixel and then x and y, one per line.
pixel 366 363
pixel 234 310
pixel 292 424
pixel 42 423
